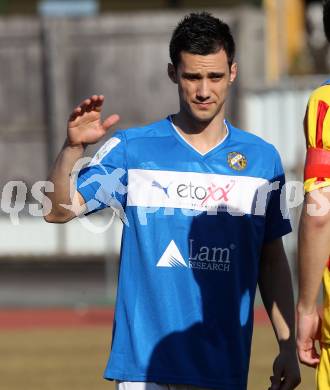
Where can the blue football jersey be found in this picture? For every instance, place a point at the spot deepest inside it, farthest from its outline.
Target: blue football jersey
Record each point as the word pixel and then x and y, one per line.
pixel 194 226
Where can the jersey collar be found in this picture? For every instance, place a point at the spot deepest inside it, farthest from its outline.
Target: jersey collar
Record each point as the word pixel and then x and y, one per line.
pixel 185 143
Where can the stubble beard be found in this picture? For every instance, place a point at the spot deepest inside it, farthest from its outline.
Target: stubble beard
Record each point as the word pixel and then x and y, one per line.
pixel 204 117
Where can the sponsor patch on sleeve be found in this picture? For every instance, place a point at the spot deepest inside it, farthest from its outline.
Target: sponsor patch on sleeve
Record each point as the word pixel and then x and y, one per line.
pixel 104 150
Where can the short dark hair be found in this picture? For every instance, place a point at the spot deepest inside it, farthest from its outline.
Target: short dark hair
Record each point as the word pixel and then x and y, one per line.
pixel 201 33
pixel 326 18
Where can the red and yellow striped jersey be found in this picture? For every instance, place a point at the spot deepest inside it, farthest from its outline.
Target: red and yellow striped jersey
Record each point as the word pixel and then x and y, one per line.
pixel 317 133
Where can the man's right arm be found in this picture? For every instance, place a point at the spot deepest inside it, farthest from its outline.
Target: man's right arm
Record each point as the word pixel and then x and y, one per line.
pixel 314 229
pixel 84 128
pixel 61 177
pixel 313 253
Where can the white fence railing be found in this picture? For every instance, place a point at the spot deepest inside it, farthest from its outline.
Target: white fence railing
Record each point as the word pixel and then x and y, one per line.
pixel 277 116
pixel 34 237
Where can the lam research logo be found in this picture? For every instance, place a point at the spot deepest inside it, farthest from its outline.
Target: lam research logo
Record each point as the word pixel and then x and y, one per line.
pixel 237 161
pixel 201 258
pixel 171 257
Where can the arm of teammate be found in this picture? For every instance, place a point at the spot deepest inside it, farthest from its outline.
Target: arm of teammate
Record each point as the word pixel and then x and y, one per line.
pixel 276 291
pixel 84 128
pixel 313 253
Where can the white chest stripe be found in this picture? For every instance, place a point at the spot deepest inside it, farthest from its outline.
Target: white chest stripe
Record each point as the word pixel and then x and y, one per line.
pixel 191 190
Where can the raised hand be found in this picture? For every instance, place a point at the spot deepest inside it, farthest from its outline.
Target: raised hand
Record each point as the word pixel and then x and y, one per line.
pixel 85 125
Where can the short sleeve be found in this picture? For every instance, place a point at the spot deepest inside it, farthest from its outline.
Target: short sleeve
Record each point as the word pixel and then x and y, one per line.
pixel 103 183
pixel 277 222
pixel 317 133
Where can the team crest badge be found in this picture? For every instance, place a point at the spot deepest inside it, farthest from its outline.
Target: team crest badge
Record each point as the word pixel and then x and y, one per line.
pixel 237 161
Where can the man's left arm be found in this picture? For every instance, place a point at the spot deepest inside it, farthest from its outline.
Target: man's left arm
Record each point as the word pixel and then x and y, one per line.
pixel 276 291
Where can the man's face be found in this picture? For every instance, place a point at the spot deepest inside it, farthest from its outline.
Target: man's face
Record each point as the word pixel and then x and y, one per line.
pixel 203 83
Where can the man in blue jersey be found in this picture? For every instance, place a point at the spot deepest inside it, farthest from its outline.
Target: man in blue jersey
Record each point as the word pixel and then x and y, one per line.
pixel 201 205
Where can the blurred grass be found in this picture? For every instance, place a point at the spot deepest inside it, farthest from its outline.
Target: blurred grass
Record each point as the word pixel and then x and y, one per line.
pixel 74 359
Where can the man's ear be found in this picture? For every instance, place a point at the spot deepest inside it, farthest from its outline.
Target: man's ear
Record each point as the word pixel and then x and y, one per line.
pixel 172 73
pixel 233 72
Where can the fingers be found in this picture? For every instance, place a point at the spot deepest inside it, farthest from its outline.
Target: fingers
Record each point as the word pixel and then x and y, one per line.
pixel 307 352
pixel 309 357
pixel 284 379
pixel 75 113
pixel 110 121
pixel 98 102
pixel 276 379
pixel 275 385
pixel 291 380
pixel 94 103
pixel 308 334
pixel 290 383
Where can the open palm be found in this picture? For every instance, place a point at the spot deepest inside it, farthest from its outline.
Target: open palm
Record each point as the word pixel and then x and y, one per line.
pixel 85 125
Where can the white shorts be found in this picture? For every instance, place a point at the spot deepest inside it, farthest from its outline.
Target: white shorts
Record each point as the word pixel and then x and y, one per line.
pixel 153 386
